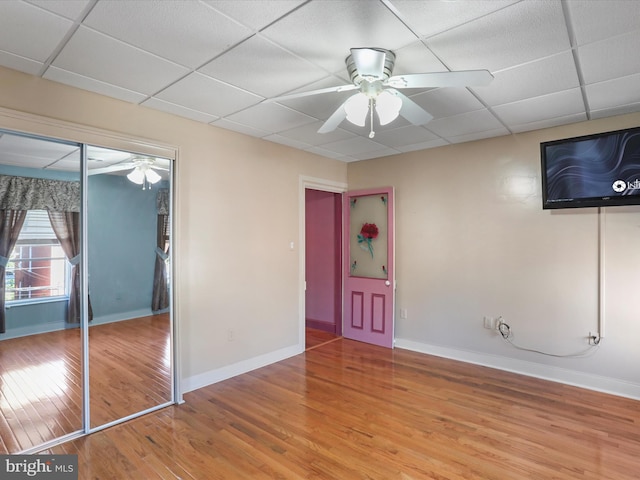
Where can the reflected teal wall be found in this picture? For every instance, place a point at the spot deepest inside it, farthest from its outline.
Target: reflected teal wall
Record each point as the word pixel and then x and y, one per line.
pixel 121 249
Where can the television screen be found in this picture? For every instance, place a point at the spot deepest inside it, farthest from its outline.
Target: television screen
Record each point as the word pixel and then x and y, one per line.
pixel 592 171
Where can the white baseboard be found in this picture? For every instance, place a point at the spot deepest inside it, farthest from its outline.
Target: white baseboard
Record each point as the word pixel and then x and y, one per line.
pixel 214 376
pixel 546 372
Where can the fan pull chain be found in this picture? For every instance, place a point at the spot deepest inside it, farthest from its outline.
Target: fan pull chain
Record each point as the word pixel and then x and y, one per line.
pixel 371 133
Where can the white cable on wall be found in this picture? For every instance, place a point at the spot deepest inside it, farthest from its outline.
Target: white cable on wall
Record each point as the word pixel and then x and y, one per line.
pixel 601 272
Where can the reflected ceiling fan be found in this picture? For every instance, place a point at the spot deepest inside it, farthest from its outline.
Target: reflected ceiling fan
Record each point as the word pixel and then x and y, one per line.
pixel 143 170
pixel 370 71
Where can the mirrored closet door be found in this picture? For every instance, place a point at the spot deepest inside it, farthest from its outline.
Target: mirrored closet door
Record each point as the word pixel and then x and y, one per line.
pixel 128 251
pixel 85 309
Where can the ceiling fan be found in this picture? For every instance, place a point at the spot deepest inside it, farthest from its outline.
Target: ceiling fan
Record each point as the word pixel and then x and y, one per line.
pixel 370 72
pixel 143 170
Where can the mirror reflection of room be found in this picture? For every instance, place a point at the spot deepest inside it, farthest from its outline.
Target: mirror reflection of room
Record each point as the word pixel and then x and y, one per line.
pixel 41 388
pixel 42 293
pixel 128 246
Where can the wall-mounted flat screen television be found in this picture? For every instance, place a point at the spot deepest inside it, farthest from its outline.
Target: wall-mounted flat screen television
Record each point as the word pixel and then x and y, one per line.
pixel 592 171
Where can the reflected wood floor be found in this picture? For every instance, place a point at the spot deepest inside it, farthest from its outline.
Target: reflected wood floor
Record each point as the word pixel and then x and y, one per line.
pixel 347 410
pixel 41 379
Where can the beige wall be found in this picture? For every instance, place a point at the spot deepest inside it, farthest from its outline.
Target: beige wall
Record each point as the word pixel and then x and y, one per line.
pixel 469 246
pixel 237 212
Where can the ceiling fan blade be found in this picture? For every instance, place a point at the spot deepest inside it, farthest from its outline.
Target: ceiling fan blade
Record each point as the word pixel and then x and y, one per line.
pixel 411 110
pixel 369 61
pixel 111 168
pixel 334 120
pixel 464 78
pixel 341 88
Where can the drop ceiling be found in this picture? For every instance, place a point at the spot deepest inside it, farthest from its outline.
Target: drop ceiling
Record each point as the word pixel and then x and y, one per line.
pixel 216 61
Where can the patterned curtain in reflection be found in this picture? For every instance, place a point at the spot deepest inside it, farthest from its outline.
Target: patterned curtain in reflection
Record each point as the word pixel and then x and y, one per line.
pixel 11 222
pixel 66 226
pixel 62 200
pixel 160 298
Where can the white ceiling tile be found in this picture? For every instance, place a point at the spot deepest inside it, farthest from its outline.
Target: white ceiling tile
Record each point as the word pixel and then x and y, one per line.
pixel 186 32
pixel 611 112
pixel 514 35
pixel 240 128
pixel 29 31
pixel 614 93
pixel 327 153
pixel 354 146
pixel 71 9
pixel 308 133
pixel 400 137
pixel 595 20
pixel 610 58
pixel 549 123
pixel 323 32
pixel 32 152
pixel 204 94
pixel 255 14
pixel 19 63
pixel 540 77
pixel 446 102
pixel 116 63
pixel 429 18
pixel 385 152
pixel 278 117
pixel 174 109
pixel 470 137
pixel 416 58
pixel 247 65
pixel 86 83
pixel 559 104
pixel 463 124
pixel 438 142
pixel 148 51
pixel 288 141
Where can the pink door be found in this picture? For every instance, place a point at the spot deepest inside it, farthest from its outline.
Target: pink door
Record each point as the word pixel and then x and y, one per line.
pixel 369 291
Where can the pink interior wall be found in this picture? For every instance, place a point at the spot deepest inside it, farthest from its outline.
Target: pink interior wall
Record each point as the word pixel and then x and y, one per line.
pixel 323 260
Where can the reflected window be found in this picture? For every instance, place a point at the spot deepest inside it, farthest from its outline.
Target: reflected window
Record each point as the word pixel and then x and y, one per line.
pixel 37 268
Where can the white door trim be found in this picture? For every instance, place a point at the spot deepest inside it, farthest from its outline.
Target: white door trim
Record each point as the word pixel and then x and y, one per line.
pixel 325 186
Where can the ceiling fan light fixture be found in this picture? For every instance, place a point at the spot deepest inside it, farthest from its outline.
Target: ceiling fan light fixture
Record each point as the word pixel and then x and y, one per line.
pixel 136 175
pixel 152 176
pixel 388 107
pixel 356 109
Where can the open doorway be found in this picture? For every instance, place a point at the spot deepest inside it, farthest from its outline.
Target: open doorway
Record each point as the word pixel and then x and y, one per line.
pixel 323 267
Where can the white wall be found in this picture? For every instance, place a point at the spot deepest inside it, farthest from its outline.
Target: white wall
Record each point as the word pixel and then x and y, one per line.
pixel 469 245
pixel 237 212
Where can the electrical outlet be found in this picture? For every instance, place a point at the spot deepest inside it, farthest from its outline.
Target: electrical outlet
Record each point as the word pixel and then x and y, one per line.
pixel 231 335
pixel 488 323
pixel 403 313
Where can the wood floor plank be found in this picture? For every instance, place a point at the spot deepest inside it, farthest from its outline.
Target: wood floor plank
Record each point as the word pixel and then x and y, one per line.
pixel 347 410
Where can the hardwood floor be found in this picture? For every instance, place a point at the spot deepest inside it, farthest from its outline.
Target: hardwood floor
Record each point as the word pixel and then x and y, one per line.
pixel 315 338
pixel 41 379
pixel 347 410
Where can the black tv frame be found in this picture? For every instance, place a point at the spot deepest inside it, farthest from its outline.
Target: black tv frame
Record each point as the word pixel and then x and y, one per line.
pixel 596 201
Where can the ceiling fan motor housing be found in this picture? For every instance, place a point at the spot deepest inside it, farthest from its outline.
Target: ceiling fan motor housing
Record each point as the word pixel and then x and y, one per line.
pixel 357 78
